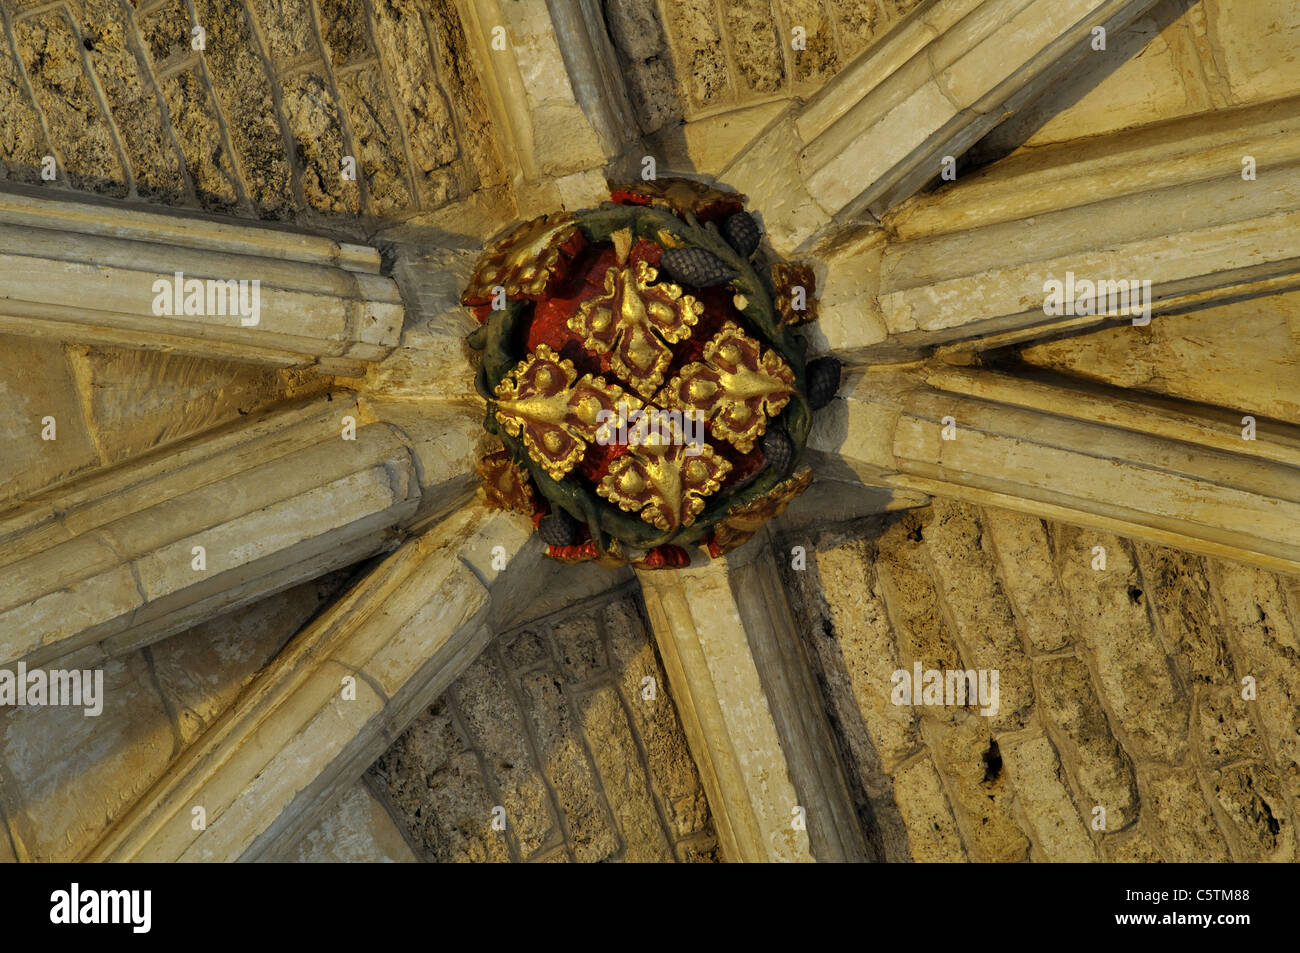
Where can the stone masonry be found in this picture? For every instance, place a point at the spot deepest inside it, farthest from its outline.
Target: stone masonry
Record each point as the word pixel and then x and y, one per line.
pixel 1120 688
pixel 1148 707
pixel 257 122
pixel 568 725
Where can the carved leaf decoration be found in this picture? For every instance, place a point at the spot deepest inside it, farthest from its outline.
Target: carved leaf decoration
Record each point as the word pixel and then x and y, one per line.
pixel 632 320
pixel 556 415
pixel 738 386
pixel 742 522
pixel 505 485
pixel 663 483
pixel 680 195
pixel 522 261
pixel 786 279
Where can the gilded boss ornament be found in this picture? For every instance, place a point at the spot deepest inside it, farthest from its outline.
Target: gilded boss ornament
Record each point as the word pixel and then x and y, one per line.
pixel 642 371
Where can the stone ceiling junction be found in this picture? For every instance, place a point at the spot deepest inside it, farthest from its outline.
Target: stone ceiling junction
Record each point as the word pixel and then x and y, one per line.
pixel 969 335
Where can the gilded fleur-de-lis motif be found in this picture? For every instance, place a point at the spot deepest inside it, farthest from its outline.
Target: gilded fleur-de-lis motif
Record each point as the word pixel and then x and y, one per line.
pixel 557 415
pixel 664 483
pixel 633 319
pixel 738 386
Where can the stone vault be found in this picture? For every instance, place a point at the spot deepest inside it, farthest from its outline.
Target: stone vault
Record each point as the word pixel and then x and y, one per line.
pixel 317 641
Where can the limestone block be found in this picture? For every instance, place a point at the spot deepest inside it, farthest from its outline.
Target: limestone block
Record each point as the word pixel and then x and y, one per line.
pixel 1035 770
pixel 986 625
pixel 494 722
pixel 978 788
pixel 1176 805
pixel 932 830
pixel 870 655
pixel 614 747
pixel 1025 560
pixel 659 726
pixel 1093 758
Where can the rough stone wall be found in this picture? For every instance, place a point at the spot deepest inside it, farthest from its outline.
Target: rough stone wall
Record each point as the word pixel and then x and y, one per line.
pixel 256 123
pixel 690 58
pixel 552 724
pixel 64 777
pixel 1120 688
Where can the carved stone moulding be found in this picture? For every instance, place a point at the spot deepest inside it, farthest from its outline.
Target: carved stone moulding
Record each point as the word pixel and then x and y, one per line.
pixel 644 374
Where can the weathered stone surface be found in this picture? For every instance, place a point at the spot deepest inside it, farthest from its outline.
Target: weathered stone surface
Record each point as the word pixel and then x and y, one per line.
pixel 986 627
pixel 316 127
pixel 1256 615
pixel 614 749
pixel 1058 832
pixel 494 725
pixel 932 831
pixel 234 65
pixel 153 161
pixel 590 829
pixel 598 771
pixel 580 649
pixel 65 794
pixel 343 25
pixel 426 114
pixel 427 778
pixel 22 137
pixel 923 632
pixel 1102 770
pixel 374 130
pixel 193 112
pixel 818 60
pixel 1134 675
pixel 860 654
pixel 978 788
pixel 1186 826
pixel 357 830
pixel 36 381
pixel 756 44
pixel 1257 812
pixel 1132 847
pixel 699 52
pixel 656 720
pixel 87 152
